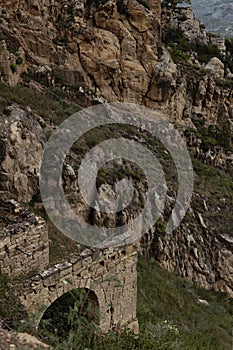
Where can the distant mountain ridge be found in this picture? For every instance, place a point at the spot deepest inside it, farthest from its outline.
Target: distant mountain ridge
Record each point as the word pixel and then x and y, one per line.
pixel 216 15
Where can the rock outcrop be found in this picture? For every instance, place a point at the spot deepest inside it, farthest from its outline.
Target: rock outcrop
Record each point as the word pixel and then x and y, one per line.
pixel 215 67
pixel 94 51
pixel 22 140
pixel 110 46
pixel 184 18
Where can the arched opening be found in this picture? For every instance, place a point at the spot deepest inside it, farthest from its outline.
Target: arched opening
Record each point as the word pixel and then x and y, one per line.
pixel 74 311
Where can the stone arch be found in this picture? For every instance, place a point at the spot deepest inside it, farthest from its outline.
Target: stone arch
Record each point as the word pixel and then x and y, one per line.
pixel 50 296
pixel 111 275
pixel 87 305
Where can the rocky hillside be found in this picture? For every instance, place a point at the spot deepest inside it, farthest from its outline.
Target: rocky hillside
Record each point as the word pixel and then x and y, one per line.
pixel 57 57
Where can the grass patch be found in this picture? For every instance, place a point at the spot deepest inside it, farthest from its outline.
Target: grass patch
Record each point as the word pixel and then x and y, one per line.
pixel 164 298
pixel 216 187
pixel 181 47
pixel 212 182
pixel 48 108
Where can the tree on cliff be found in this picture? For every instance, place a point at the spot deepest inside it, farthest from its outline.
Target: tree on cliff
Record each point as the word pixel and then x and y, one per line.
pixel 174 3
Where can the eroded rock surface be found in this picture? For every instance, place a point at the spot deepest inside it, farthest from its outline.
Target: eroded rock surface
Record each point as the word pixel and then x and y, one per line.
pixel 111 50
pixel 22 141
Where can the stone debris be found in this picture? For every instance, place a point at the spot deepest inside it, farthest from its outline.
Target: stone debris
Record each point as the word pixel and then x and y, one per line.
pixel 19 341
pixel 215 67
pixel 203 302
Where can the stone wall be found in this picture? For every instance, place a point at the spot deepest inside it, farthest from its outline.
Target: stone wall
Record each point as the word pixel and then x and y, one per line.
pixel 23 240
pixel 110 274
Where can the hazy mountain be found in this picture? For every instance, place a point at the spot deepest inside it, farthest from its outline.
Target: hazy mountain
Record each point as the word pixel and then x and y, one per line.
pixel 217 15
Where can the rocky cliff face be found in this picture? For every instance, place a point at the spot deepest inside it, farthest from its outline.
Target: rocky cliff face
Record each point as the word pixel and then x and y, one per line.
pixel 22 142
pixel 108 46
pixel 88 52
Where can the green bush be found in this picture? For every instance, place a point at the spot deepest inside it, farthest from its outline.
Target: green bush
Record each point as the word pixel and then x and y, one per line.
pixel 215 135
pixel 180 47
pixel 206 52
pixel 47 107
pixel 172 34
pixel 178 55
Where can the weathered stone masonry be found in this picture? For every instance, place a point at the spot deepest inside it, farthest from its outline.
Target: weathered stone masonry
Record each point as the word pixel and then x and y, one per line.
pixel 111 273
pixel 24 245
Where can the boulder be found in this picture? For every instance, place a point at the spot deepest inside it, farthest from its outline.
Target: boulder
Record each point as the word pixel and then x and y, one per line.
pixel 215 67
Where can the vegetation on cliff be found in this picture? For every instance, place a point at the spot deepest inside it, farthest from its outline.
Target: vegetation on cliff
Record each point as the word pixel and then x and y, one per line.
pixel 173 313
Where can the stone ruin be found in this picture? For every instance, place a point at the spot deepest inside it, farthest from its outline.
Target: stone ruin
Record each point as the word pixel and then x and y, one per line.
pixel 24 245
pixel 110 275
